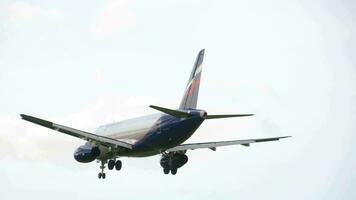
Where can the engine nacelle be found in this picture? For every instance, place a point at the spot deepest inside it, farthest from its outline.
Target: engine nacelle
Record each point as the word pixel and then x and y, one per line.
pixel 86 153
pixel 176 161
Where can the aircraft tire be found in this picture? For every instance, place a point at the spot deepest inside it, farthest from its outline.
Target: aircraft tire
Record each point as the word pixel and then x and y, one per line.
pixel 111 164
pixel 174 171
pixel 118 165
pixel 99 175
pixel 166 170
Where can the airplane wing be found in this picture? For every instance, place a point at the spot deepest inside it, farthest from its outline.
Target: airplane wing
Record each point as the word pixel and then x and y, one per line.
pixel 77 133
pixel 213 145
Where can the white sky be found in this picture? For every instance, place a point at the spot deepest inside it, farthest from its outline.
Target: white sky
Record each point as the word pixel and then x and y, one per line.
pixel 84 63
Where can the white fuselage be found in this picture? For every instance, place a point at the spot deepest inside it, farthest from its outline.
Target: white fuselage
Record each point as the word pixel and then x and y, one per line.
pixel 131 130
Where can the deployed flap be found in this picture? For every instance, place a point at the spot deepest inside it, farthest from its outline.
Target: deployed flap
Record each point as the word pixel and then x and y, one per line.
pixel 213 145
pixel 175 113
pixel 227 116
pixel 76 133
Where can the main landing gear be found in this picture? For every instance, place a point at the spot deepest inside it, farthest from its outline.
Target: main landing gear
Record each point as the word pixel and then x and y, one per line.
pixel 172 161
pixel 111 164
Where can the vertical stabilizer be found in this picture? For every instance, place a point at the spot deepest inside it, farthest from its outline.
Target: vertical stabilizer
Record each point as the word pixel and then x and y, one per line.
pixel 191 92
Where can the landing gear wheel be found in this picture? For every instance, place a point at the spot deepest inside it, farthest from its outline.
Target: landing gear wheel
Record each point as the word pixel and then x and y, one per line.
pixel 173 171
pixel 118 165
pixel 166 170
pixel 111 164
pixel 101 175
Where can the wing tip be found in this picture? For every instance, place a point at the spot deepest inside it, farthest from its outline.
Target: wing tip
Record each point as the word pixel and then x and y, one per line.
pixel 36 120
pixel 288 136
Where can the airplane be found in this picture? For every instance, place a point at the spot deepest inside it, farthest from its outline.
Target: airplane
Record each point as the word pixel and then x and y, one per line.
pixel 162 133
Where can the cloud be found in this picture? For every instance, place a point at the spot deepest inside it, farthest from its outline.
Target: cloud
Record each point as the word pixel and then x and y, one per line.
pixel 99 78
pixel 21 11
pixel 115 15
pixel 14 16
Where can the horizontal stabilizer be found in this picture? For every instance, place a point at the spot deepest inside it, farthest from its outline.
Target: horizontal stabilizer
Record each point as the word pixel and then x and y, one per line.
pixel 226 116
pixel 175 113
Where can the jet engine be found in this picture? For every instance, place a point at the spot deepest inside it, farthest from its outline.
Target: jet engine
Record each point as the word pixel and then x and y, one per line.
pixel 86 153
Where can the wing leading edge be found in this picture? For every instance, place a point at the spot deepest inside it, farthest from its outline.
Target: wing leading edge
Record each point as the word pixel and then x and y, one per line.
pixel 77 133
pixel 213 145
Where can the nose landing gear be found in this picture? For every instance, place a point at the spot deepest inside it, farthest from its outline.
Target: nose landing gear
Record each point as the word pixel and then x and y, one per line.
pixel 102 167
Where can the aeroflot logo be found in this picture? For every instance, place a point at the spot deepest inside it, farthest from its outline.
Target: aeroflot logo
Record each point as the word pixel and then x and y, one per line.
pixel 193 86
pixel 194 83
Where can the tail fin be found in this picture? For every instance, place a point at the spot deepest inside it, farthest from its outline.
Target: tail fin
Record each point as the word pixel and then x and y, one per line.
pixel 190 97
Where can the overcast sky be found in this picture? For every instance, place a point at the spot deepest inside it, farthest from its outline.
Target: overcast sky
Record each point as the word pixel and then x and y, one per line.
pixel 86 63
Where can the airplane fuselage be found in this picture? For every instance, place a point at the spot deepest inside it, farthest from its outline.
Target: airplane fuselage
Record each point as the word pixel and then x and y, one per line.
pixel 152 134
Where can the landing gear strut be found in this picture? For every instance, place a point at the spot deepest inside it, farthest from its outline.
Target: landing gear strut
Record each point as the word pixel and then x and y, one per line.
pixel 102 167
pixel 172 161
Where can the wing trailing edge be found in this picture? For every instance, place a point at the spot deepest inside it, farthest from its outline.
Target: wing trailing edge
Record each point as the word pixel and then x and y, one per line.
pixel 213 145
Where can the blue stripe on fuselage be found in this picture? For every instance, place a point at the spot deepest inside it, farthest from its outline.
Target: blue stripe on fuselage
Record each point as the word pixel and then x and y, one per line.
pixel 168 132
